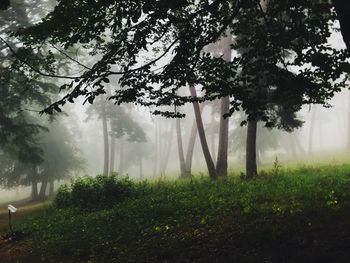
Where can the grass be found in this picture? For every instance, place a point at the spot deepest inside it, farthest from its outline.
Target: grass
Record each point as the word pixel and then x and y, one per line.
pixel 285 215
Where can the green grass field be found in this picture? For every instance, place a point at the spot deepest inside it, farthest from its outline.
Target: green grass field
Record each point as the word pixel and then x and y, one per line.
pixel 285 215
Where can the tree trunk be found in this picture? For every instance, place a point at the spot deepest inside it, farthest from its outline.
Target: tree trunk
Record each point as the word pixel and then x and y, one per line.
pixel 156 141
pixel 140 166
pixel 42 193
pixel 168 149
pixel 121 157
pixel 35 194
pixel 191 144
pixel 221 163
pixel 342 8
pixel 298 143
pixel 251 167
pixel 105 138
pixel 292 146
pixel 111 164
pixel 201 133
pixel 348 144
pixel 312 126
pixel 180 148
pixel 213 146
pixel 51 187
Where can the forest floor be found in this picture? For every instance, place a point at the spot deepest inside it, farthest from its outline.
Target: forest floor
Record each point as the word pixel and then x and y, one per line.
pixel 299 215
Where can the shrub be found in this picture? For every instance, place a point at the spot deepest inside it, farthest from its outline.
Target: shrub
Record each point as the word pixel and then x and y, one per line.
pixel 63 197
pixel 92 193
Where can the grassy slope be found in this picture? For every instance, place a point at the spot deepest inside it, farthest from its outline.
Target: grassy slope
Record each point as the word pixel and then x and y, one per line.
pixel 299 215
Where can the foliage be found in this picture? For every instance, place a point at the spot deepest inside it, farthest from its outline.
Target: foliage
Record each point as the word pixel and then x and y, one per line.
pixel 94 193
pixel 193 219
pixel 175 34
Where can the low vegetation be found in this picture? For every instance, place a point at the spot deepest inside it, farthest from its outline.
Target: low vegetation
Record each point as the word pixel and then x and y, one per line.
pixel 283 215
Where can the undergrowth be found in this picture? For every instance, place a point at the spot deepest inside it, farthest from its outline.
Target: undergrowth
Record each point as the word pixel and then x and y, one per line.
pixel 108 219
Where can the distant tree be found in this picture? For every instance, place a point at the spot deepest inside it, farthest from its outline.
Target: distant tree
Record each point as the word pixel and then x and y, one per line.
pixel 179 31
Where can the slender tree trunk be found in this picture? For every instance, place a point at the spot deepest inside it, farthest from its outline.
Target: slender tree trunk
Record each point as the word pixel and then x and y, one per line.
pixel 160 148
pixel 51 187
pixel 292 146
pixel 180 148
pixel 342 8
pixel 111 164
pixel 213 146
pixel 202 137
pixel 221 163
pixel 168 149
pixel 140 166
pixel 251 167
pixel 156 141
pixel 35 189
pixel 42 193
pixel 191 144
pixel 121 157
pixel 105 138
pixel 348 144
pixel 312 126
pixel 298 143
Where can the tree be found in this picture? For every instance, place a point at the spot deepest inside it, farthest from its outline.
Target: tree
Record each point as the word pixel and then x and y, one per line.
pixel 262 75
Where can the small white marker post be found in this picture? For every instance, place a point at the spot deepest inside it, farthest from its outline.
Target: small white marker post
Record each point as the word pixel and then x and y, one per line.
pixel 11 209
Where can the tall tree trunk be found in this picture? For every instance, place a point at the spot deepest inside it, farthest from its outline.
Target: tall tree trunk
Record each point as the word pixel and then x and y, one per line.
pixel 140 166
pixel 292 146
pixel 191 144
pixel 121 157
pixel 168 149
pixel 221 163
pixel 35 189
pixel 156 141
pixel 202 137
pixel 180 148
pixel 342 8
pixel 251 167
pixel 298 143
pixel 111 164
pixel 348 117
pixel 105 138
pixel 312 127
pixel 213 146
pixel 42 193
pixel 51 187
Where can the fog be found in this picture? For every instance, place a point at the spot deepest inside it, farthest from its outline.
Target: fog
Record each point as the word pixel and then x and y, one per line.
pixel 146 146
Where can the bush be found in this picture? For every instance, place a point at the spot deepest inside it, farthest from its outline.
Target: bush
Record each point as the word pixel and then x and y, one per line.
pixel 92 193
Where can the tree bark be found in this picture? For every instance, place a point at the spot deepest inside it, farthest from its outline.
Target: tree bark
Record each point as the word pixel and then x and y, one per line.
pixel 311 132
pixel 111 164
pixel 105 138
pixel 348 144
pixel 251 167
pixel 156 141
pixel 202 137
pixel 140 166
pixel 191 144
pixel 342 8
pixel 168 149
pixel 292 146
pixel 35 194
pixel 213 146
pixel 221 163
pixel 180 148
pixel 42 193
pixel 51 187
pixel 121 157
